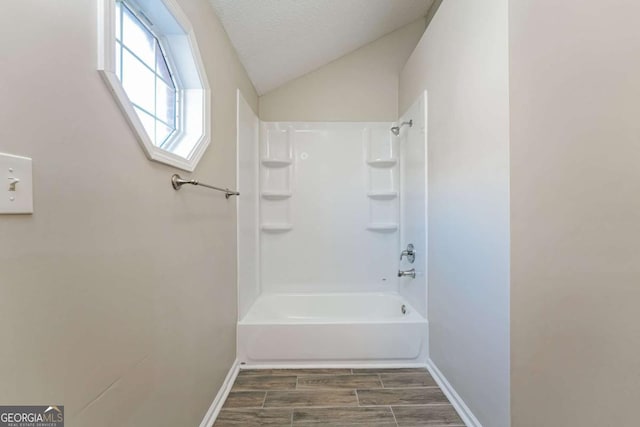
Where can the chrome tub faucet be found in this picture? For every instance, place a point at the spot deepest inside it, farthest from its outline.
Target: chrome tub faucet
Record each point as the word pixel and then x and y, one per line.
pixel 407 273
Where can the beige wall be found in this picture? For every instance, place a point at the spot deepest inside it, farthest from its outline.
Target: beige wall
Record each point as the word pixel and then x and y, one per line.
pixel 118 296
pixel 360 86
pixel 575 155
pixel 462 62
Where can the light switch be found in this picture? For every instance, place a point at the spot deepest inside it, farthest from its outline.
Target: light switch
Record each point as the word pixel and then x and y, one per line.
pixel 16 185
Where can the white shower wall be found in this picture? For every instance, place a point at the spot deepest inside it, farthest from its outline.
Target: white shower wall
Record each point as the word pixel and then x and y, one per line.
pixel 413 208
pixel 248 207
pixel 329 209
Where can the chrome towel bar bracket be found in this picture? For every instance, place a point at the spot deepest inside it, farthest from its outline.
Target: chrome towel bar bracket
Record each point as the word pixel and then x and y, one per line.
pixel 177 182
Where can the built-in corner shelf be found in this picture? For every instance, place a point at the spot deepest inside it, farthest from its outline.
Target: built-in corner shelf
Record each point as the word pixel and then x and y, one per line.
pixel 275 195
pixel 382 163
pixel 382 195
pixel 276 163
pixel 383 226
pixel 276 228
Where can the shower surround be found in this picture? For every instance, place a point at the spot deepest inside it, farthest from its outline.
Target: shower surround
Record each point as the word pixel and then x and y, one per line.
pixel 319 254
pixel 329 207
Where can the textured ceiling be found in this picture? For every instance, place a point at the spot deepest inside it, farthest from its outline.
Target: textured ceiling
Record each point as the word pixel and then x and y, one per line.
pixel 280 40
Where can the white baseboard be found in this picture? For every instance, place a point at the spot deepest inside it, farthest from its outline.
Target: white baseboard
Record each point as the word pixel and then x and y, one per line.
pixel 461 408
pixel 214 409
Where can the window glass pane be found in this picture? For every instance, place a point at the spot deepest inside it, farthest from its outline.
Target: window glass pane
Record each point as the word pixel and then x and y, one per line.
pixel 166 103
pixel 161 67
pixel 149 124
pixel 145 76
pixel 138 82
pixel 118 20
pixel 162 132
pixel 118 64
pixel 137 38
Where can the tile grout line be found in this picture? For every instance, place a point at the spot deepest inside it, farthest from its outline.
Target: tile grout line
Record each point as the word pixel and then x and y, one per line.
pixel 394 416
pixel 401 405
pixel 292 408
pixel 274 408
pixel 343 388
pixel 413 387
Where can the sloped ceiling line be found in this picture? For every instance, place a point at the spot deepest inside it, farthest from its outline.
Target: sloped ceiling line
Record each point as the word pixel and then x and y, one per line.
pixel 280 40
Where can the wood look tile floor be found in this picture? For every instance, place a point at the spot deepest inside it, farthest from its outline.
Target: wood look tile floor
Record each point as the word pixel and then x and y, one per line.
pixel 337 398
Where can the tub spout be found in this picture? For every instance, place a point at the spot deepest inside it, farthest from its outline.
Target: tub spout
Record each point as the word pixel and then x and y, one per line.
pixel 407 273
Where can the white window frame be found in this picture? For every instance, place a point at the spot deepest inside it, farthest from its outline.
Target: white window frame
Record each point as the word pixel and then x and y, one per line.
pixel 194 92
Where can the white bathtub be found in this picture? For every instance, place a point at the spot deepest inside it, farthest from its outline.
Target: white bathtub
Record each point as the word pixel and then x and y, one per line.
pixel 332 329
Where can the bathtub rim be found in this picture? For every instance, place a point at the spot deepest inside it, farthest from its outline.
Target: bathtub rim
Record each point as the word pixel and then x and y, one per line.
pixel 412 317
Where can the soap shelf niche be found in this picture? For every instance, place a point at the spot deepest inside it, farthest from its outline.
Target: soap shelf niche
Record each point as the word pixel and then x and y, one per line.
pixel 275 195
pixel 275 212
pixel 382 195
pixel 382 163
pixel 381 157
pixel 382 226
pixel 277 173
pixel 276 228
pixel 383 215
pixel 276 148
pixel 275 163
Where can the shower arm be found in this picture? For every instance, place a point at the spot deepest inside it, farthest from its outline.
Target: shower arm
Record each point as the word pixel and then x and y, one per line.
pixel 396 129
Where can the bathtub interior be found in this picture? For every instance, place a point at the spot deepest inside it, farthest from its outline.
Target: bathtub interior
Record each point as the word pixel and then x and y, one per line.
pixel 334 308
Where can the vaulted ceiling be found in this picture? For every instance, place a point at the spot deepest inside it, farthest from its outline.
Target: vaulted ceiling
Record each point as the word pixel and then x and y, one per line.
pixel 280 40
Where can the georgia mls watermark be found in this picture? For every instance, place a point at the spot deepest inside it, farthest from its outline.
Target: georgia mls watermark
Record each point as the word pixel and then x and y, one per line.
pixel 32 416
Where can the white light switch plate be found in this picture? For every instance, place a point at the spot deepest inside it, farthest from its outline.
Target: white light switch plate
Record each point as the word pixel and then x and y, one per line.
pixel 16 185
